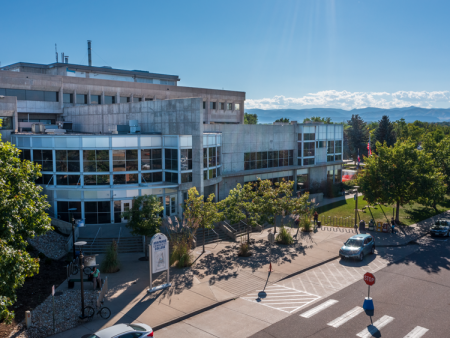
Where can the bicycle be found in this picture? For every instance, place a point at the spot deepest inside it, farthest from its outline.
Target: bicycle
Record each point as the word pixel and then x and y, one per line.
pixel 74 266
pixel 104 312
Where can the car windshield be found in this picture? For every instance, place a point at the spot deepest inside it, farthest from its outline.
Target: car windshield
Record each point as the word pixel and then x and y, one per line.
pixel 357 243
pixel 440 224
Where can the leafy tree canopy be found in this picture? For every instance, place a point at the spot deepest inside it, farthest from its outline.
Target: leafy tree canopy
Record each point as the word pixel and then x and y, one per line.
pixel 283 120
pixel 22 216
pixel 385 132
pixel 250 118
pixel 326 120
pixel 144 217
pixel 358 136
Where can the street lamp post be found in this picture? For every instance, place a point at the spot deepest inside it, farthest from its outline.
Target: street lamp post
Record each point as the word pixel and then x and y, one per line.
pixel 73 229
pixel 356 206
pixel 80 264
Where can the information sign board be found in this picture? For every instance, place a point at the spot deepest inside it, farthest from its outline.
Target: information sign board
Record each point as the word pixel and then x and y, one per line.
pixel 160 253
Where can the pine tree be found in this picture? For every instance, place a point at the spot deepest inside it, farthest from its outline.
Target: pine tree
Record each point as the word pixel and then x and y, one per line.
pixel 357 136
pixel 385 132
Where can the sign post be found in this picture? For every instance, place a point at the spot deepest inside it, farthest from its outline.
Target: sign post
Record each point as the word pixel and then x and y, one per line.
pixel 368 302
pixel 271 239
pixel 158 261
pixel 53 300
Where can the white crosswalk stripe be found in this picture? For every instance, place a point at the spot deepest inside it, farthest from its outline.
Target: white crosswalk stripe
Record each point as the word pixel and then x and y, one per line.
pixel 376 327
pixel 346 317
pixel 417 332
pixel 317 309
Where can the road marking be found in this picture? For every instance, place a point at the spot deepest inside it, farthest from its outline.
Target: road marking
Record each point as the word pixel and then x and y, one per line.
pixel 417 332
pixel 282 298
pixel 346 317
pixel 317 309
pixel 371 330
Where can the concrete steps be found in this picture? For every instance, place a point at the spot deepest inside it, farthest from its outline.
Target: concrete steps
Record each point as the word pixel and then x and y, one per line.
pixel 100 245
pixel 210 236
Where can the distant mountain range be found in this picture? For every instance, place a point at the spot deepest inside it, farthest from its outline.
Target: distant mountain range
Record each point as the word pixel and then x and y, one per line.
pixel 410 114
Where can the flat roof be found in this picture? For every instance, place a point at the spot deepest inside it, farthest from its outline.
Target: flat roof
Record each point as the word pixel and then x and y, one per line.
pixel 105 70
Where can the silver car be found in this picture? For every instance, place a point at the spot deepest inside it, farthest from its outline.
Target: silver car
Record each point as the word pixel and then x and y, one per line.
pixel 357 247
pixel 124 331
pixel 441 228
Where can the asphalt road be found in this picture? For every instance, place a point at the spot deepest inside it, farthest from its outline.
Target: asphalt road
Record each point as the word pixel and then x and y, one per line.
pixel 411 298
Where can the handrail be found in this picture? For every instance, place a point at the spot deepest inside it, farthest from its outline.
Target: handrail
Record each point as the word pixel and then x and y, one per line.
pixel 90 247
pixel 69 243
pixel 118 239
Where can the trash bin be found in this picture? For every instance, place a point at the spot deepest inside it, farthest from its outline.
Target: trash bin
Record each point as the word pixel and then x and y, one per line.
pixel 362 225
pixel 319 223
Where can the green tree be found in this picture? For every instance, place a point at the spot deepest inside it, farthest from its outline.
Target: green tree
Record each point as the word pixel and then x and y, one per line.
pixel 239 206
pixel 326 120
pixel 400 174
pixel 199 213
pixel 358 136
pixel 440 153
pixel 250 118
pixel 283 120
pixel 22 216
pixel 144 217
pixel 401 129
pixel 385 131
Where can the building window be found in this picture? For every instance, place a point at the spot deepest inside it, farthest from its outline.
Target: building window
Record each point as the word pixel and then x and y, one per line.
pixel 68 180
pixel 212 157
pixel 308 161
pixel 67 98
pixel 44 179
pixel 39 95
pixel 96 99
pixel 330 158
pixel 126 179
pixel 6 122
pixel 64 213
pixel 96 179
pixel 186 177
pixel 125 160
pixel 330 174
pixel 204 104
pixel 237 106
pixel 218 157
pixel 171 177
pixel 205 174
pixel 213 105
pixel 137 99
pixel 186 159
pixel 148 99
pixel 205 157
pixel 67 160
pixel 124 99
pixel 299 149
pixel 25 154
pixel 97 212
pixel 300 136
pixel 338 157
pixel 171 159
pixel 82 99
pixel 44 158
pixel 95 160
pixel 151 177
pixel 222 105
pixel 321 144
pixel 308 149
pixel 338 147
pixel 229 106
pixel 19 93
pixel 309 136
pixel 212 173
pixel 299 161
pixel 268 159
pixel 110 99
pixel 338 175
pixel 151 159
pixel 330 147
pixel 303 179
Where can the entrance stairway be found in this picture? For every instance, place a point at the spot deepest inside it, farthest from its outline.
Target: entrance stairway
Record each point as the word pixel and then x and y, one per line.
pixel 100 245
pixel 211 236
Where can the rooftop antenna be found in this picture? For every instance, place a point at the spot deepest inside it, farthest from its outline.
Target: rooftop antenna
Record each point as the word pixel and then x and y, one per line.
pixel 89 53
pixel 56 52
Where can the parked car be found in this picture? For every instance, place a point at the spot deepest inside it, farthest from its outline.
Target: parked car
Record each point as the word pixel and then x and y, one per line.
pixel 357 247
pixel 441 228
pixel 124 331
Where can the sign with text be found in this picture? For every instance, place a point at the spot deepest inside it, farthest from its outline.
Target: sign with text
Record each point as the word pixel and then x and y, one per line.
pixel 160 253
pixel 369 278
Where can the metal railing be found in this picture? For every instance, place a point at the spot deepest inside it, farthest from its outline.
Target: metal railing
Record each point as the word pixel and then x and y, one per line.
pixel 69 243
pixel 90 246
pixel 118 238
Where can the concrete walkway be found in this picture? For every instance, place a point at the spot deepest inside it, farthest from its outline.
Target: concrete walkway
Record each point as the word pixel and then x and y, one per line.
pixel 219 275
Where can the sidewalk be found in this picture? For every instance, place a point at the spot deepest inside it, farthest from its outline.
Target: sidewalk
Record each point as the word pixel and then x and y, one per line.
pixel 219 275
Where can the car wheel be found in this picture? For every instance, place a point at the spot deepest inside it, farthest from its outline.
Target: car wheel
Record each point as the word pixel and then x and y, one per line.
pixel 373 250
pixel 361 257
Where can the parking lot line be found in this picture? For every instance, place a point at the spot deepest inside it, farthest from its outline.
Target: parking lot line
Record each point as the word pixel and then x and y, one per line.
pixel 317 309
pixel 346 317
pixel 371 330
pixel 417 332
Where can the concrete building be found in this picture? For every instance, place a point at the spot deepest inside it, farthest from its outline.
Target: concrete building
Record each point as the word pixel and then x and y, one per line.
pixel 128 133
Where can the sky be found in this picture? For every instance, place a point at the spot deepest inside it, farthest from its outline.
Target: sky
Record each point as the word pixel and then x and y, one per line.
pixel 283 54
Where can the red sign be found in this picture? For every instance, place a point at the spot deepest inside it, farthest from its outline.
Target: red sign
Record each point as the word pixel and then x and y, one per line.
pixel 369 278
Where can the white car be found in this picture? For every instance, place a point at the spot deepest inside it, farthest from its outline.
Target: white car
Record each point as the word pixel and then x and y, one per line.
pixel 124 331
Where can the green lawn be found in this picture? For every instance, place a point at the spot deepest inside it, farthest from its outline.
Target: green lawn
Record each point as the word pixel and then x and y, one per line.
pixel 409 214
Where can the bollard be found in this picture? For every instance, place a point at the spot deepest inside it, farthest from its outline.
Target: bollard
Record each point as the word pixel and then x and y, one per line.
pixel 28 318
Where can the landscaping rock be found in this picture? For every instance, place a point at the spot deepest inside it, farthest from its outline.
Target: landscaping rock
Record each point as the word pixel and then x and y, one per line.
pixel 51 244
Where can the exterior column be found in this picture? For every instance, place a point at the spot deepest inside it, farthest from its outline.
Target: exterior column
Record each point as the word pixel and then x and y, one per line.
pixel 208 111
pixel 75 97
pixel 216 192
pixel 103 98
pixel 180 203
pixel 117 97
pixel 61 96
pixel 294 174
pixel 241 112
pixel 131 97
pixel 89 97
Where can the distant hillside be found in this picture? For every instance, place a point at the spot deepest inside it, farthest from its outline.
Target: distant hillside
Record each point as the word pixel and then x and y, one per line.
pixel 410 114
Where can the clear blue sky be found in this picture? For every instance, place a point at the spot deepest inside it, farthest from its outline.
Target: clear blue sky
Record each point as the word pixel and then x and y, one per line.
pixel 265 48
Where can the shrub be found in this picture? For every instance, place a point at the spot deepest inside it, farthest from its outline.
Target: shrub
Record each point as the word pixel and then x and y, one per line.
pixel 181 255
pixel 284 236
pixel 305 223
pixel 244 250
pixel 111 262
